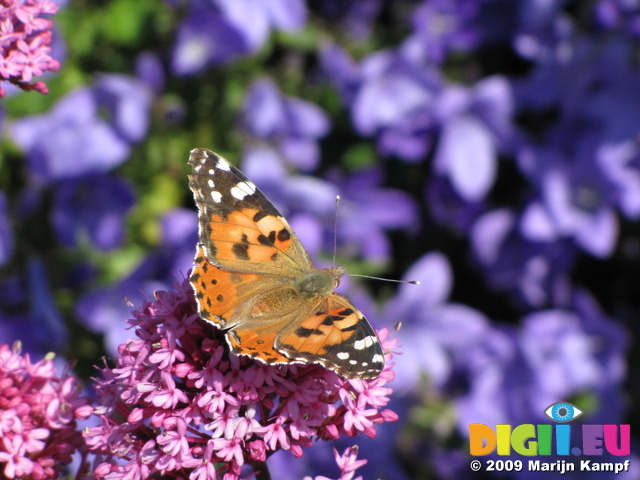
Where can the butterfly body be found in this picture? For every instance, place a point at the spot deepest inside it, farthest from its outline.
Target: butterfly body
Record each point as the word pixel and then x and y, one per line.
pixel 253 278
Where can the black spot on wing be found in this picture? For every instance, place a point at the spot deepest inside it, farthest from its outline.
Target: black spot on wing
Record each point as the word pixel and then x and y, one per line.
pixel 241 249
pixel 283 235
pixel 259 215
pixel 307 332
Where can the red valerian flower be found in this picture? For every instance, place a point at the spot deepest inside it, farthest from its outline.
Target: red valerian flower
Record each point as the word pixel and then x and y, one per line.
pixel 24 43
pixel 38 413
pixel 180 405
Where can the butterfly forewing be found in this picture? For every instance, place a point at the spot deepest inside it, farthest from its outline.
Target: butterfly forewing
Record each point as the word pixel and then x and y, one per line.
pixel 239 228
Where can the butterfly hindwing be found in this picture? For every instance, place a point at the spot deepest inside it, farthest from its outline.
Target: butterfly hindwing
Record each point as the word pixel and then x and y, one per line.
pixel 218 292
pixel 338 336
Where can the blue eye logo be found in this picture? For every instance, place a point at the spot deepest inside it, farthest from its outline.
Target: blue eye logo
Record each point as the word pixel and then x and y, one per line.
pixel 562 412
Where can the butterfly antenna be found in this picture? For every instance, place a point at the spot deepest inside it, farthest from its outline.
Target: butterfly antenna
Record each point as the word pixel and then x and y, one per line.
pixel 335 231
pixel 412 282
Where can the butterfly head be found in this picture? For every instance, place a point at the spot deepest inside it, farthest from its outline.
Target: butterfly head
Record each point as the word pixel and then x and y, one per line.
pixel 319 282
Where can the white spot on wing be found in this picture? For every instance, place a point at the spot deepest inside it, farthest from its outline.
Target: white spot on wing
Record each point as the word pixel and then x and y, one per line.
pixel 212 171
pixel 377 358
pixel 223 165
pixel 243 189
pixel 343 355
pixel 366 342
pixel 216 196
pixel 210 183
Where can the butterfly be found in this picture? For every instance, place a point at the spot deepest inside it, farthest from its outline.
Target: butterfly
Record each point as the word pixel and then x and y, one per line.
pixel 253 279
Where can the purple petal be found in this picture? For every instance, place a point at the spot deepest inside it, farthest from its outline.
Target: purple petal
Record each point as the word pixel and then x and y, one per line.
pixel 467 154
pixel 150 70
pixel 599 235
pixel 536 225
pixel 493 102
pixel 434 273
pixel 301 153
pixel 93 208
pixel 71 141
pixel 421 354
pixel 205 37
pixel 387 100
pixel 264 112
pixel 287 15
pixel 249 18
pixel 129 101
pixel 179 226
pixel 263 165
pixel 307 119
pixel 489 233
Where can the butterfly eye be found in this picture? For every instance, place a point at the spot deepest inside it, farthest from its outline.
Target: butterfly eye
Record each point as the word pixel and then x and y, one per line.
pixel 563 412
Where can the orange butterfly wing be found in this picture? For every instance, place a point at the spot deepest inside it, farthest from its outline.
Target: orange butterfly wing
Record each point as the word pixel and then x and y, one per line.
pixel 253 278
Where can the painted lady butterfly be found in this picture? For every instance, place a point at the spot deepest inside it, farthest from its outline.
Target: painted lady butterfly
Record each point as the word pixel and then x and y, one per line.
pixel 253 278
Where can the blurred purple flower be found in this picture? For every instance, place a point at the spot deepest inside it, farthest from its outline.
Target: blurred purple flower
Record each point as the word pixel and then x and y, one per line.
pixel 443 26
pixel 620 163
pixel 91 208
pixel 150 70
pixel 512 376
pixel 25 40
pixel 293 126
pixel 573 351
pixel 448 208
pixel 475 125
pixel 534 273
pixel 489 382
pixel 575 201
pixel 341 70
pixel 432 329
pixel 366 212
pixel 102 310
pixel 395 101
pixel 194 407
pixel 254 19
pixel 128 101
pixel 356 18
pixel 222 30
pixel 205 38
pixel 70 141
pixel 6 232
pixel 590 86
pixel 28 312
pixel 543 30
pixel 620 15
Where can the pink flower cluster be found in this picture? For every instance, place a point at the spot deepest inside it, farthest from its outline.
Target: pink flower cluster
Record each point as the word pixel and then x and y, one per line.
pixel 348 464
pixel 179 405
pixel 24 42
pixel 38 413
